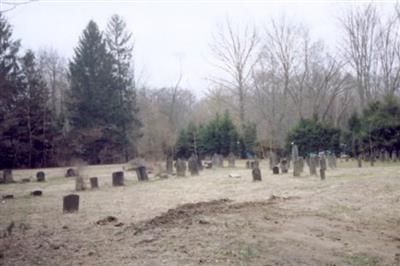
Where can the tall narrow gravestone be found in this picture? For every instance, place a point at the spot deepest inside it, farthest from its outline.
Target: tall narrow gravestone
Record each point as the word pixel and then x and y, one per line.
pixel 118 178
pixel 256 174
pixel 322 173
pixel 170 163
pixel 7 176
pixel 141 173
pixel 297 167
pixel 284 166
pixel 193 165
pixel 94 182
pixel 40 176
pixel 71 203
pixel 313 165
pixel 180 168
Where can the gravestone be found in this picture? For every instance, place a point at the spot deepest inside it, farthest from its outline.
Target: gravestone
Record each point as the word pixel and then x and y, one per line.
pixel 322 173
pixel 248 165
pixel 254 164
pixel 208 165
pixel 142 173
pixel 118 178
pixel 193 165
pixel 169 164
pixel 37 193
pixel 284 166
pixel 301 164
pixel 256 174
pixel 79 183
pixel 275 170
pixel 295 152
pixel 231 160
pixel 359 161
pixel 199 163
pixel 94 182
pixel 70 172
pixel 71 203
pixel 394 156
pixel 40 177
pixel 7 176
pixel 180 168
pixel 313 165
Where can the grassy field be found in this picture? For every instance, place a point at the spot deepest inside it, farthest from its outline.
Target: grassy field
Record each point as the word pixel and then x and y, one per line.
pixel 351 218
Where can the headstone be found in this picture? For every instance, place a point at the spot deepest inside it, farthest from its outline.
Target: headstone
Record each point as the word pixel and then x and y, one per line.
pixel 94 182
pixel 359 162
pixel 254 164
pixel 79 183
pixel 295 152
pixel 208 165
pixel 256 174
pixel 70 172
pixel 301 163
pixel 169 164
pixel 142 173
pixel 248 165
pixel 322 173
pixel 313 165
pixel 273 159
pixel 118 178
pixel 284 166
pixel 193 165
pixel 36 193
pixel 322 162
pixel 231 160
pixel 71 203
pixel 180 168
pixel 275 170
pixel 296 167
pixel 40 176
pixel 7 176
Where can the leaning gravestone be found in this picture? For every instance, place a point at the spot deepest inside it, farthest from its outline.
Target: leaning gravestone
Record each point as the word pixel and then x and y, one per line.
pixel 40 176
pixel 231 160
pixel 170 163
pixel 275 170
pixel 70 172
pixel 141 173
pixel 256 174
pixel 79 183
pixel 94 182
pixel 193 165
pixel 284 166
pixel 71 203
pixel 180 168
pixel 118 178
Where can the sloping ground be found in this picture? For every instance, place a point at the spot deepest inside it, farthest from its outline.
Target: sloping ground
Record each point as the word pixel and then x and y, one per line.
pixel 352 219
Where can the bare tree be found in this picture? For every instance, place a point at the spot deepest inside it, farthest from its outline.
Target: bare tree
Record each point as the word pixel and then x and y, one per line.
pixel 235 53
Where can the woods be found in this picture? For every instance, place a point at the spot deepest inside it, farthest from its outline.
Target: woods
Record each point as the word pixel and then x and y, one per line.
pixel 273 84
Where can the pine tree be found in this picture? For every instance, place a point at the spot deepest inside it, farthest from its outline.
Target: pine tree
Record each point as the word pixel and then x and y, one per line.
pixel 94 99
pixel 120 47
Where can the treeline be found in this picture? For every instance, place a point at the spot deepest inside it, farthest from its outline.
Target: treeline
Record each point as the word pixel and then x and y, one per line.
pixel 93 118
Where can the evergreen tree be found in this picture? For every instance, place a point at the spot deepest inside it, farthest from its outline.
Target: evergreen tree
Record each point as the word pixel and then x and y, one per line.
pixel 94 100
pixel 120 48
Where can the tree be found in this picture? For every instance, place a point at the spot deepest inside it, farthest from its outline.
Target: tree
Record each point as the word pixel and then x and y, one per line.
pixel 94 100
pixel 120 47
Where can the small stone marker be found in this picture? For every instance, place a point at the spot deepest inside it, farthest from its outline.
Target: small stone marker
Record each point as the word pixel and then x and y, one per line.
pixel 40 176
pixel 275 170
pixel 180 168
pixel 231 160
pixel 70 172
pixel 142 173
pixel 256 174
pixel 79 183
pixel 118 178
pixel 36 193
pixel 284 166
pixel 94 182
pixel 7 176
pixel 234 175
pixel 297 167
pixel 248 165
pixel 322 173
pixel 193 165
pixel 71 203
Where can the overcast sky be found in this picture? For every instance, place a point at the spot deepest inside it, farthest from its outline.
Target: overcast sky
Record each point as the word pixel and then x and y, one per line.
pixel 169 35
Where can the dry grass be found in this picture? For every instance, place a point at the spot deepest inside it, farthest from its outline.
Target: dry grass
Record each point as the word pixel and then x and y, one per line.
pixel 352 218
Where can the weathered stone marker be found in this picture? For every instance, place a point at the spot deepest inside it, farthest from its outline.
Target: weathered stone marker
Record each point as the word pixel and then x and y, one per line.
pixel 193 165
pixel 71 203
pixel 231 160
pixel 142 173
pixel 180 168
pixel 36 193
pixel 7 176
pixel 70 172
pixel 118 178
pixel 94 182
pixel 256 174
pixel 359 161
pixel 322 173
pixel 40 176
pixel 79 183
pixel 248 165
pixel 313 165
pixel 322 162
pixel 169 164
pixel 284 166
pixel 275 170
pixel 297 167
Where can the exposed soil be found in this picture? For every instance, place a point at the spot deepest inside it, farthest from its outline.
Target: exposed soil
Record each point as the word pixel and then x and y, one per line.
pixel 352 218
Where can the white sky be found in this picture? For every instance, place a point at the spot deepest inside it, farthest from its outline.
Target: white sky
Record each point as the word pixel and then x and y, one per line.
pixel 169 35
